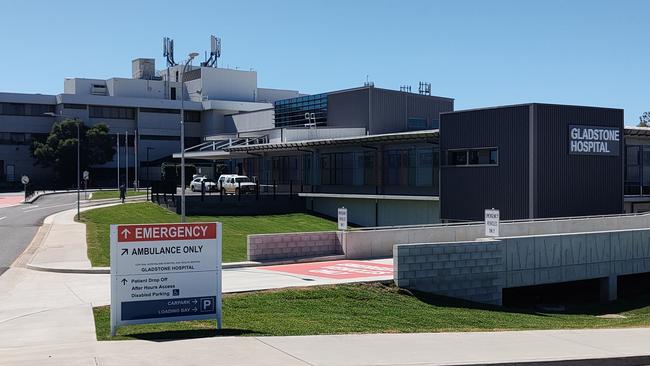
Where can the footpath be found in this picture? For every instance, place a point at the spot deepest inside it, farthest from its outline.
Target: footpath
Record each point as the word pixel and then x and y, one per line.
pixel 46 319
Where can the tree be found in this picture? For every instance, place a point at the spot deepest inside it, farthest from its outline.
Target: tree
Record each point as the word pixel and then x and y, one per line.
pixel 59 150
pixel 644 120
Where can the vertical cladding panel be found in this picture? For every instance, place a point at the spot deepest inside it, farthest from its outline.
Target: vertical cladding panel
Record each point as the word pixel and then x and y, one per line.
pixel 419 106
pixel 575 185
pixel 348 109
pixel 388 111
pixel 466 191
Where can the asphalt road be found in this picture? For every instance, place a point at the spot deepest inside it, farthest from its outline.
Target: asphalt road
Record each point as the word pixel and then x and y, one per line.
pixel 19 224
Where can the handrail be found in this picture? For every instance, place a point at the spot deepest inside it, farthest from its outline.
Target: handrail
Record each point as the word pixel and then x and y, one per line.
pixel 471 223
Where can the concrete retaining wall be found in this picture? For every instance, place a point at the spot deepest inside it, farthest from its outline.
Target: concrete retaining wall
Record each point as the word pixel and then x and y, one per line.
pixel 479 270
pixel 264 247
pixel 379 243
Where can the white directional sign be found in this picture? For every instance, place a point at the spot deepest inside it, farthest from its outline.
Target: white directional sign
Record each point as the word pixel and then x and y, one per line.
pixel 165 273
pixel 343 218
pixel 86 175
pixel 492 222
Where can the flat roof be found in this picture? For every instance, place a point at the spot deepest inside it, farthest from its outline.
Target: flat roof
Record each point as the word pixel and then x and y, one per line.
pixel 525 104
pixel 637 131
pixel 398 136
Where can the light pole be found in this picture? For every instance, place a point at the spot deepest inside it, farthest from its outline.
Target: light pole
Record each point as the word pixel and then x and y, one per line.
pixel 189 59
pixel 52 114
pixel 148 163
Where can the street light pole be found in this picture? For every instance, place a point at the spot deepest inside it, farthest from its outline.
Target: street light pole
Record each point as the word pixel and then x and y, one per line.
pixel 78 170
pixel 189 59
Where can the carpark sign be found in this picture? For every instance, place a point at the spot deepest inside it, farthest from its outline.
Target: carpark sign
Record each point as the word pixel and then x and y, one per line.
pixel 165 273
pixel 492 222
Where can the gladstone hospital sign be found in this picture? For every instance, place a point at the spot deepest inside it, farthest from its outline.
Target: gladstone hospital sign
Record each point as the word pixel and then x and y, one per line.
pixel 594 140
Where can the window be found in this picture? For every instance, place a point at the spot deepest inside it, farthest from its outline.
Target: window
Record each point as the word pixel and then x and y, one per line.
pixel 416 124
pixel 470 157
pixel 74 106
pixel 192 116
pixel 173 92
pixel 483 157
pixel 160 110
pixel 291 112
pixel 25 109
pixel 111 112
pixel 458 157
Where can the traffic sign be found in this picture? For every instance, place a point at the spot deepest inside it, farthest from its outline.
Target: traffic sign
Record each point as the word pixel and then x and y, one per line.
pixel 86 175
pixel 492 222
pixel 24 179
pixel 165 273
pixel 343 218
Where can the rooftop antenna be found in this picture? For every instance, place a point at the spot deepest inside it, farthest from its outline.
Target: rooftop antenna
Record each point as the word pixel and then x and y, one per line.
pixel 215 52
pixel 405 88
pixel 368 83
pixel 424 88
pixel 168 51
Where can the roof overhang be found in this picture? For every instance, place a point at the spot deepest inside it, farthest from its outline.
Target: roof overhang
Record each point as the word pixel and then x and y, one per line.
pixel 429 135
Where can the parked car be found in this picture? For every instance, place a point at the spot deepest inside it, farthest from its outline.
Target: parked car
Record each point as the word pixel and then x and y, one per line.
pixel 210 185
pixel 232 183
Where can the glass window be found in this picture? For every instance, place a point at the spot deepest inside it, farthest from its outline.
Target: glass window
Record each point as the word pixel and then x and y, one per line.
pixel 458 157
pixel 416 124
pixel 483 157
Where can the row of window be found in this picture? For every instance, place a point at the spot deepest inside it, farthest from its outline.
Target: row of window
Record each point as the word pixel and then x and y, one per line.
pixel 414 167
pixel 23 109
pixel 637 170
pixel 19 138
pixel 291 112
pixel 129 113
pixel 414 124
pixel 111 112
pixel 468 157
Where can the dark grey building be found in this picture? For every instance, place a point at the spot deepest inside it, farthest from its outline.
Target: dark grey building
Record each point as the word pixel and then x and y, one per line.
pixel 531 161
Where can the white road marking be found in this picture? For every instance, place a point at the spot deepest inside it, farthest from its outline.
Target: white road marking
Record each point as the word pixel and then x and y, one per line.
pixel 30 207
pixel 45 208
pixel 3 217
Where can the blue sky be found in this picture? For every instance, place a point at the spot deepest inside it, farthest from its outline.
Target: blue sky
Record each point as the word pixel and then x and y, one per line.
pixel 481 53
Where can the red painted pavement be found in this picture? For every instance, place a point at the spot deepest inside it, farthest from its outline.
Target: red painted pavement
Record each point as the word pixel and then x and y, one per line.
pixel 6 201
pixel 344 269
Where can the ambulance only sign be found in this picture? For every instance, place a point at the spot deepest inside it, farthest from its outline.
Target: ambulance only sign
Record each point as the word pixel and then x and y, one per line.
pixel 165 273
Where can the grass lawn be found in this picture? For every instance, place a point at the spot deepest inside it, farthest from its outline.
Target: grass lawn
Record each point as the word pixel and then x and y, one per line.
pixel 370 308
pixel 235 228
pixel 100 195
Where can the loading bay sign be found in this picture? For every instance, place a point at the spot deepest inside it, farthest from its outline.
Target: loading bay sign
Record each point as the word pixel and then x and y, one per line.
pixel 492 218
pixel 165 273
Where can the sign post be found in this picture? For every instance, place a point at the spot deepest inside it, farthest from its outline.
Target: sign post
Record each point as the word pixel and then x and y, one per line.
pixel 165 273
pixel 343 218
pixel 86 176
pixel 492 222
pixel 25 181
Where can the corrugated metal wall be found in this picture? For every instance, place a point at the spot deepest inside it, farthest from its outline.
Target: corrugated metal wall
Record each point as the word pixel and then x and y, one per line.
pixel 466 191
pixel 575 185
pixel 388 111
pixel 391 109
pixel 420 106
pixel 348 109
